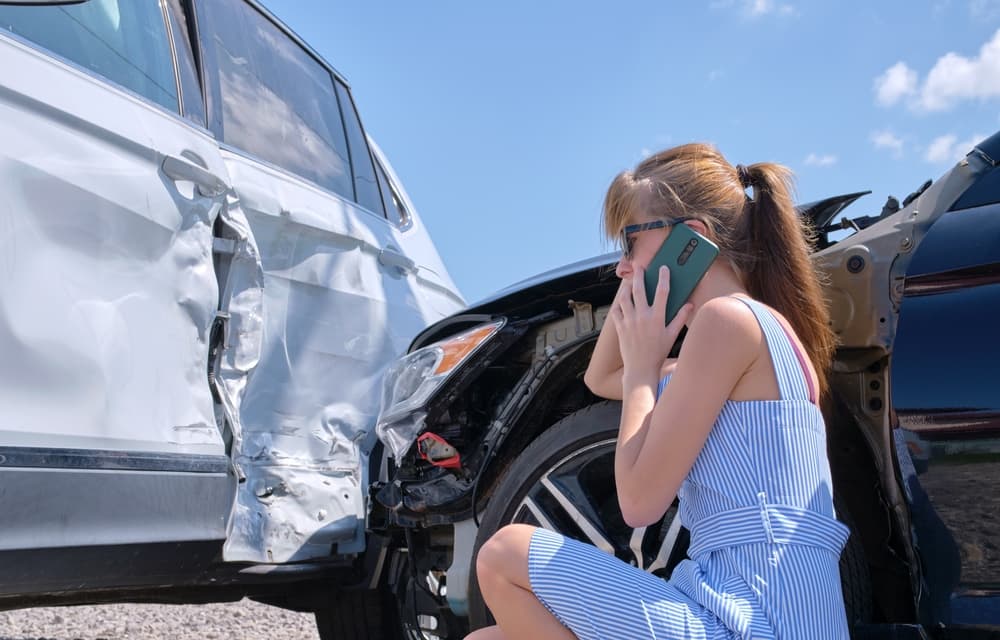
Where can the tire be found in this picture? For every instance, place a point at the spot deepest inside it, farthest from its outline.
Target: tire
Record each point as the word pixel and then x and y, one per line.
pixel 855 576
pixel 589 434
pixel 405 612
pixel 359 615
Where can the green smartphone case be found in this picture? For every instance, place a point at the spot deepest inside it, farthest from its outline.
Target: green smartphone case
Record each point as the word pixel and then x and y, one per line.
pixel 688 255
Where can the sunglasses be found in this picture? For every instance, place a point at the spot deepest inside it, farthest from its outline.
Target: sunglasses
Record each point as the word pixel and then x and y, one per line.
pixel 626 239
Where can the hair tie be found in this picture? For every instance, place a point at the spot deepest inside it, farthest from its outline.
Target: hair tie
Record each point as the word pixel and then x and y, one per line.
pixel 744 175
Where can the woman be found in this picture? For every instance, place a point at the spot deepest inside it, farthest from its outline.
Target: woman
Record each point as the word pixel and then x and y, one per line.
pixel 732 427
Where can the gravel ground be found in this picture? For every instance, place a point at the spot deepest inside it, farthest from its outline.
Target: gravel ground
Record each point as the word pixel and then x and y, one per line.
pixel 243 620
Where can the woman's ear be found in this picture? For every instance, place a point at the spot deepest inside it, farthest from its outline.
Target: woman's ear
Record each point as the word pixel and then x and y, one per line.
pixel 700 227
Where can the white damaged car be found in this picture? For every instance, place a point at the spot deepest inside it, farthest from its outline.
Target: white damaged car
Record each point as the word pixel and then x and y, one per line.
pixel 205 268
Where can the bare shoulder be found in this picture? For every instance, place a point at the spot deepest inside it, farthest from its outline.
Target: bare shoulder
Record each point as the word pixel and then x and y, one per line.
pixel 726 315
pixel 724 331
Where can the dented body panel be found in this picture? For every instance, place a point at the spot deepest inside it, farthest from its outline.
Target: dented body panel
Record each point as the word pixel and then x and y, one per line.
pixel 332 317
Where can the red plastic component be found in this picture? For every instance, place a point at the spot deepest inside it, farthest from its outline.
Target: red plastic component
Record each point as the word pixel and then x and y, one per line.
pixel 436 450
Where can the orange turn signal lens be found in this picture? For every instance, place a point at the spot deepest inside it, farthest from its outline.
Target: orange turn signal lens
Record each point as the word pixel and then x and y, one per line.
pixel 456 349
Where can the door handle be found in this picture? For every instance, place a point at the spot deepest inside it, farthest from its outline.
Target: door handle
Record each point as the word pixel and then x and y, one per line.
pixel 390 257
pixel 181 169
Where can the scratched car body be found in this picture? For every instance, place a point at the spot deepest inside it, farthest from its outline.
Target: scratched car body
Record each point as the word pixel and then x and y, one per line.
pixel 205 266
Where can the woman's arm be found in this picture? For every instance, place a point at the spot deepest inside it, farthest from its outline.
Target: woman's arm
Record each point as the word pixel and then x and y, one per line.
pixel 658 441
pixel 604 373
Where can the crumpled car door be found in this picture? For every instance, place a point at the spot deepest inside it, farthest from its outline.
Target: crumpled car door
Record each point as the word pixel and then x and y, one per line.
pixel 300 368
pixel 107 294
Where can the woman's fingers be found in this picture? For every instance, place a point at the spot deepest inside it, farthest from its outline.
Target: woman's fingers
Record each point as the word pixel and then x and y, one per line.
pixel 675 326
pixel 639 289
pixel 662 293
pixel 623 299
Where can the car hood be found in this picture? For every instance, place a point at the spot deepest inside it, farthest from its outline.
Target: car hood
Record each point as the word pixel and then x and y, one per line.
pixel 594 278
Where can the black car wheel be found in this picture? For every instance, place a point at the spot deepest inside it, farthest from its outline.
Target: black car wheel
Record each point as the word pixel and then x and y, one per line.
pixel 411 613
pixel 354 615
pixel 564 481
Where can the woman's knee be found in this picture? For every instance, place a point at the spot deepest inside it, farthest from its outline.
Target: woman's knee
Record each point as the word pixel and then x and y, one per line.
pixel 505 554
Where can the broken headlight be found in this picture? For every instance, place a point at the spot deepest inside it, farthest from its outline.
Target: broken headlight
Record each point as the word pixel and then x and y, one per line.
pixel 411 381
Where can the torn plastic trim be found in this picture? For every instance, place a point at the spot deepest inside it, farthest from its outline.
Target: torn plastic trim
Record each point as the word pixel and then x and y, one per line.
pixel 447 496
pixel 459 572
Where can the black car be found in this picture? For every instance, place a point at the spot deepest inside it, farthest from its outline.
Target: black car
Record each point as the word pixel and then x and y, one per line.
pixel 487 421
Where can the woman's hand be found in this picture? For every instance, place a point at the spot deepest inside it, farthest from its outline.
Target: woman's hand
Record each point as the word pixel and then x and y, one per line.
pixel 644 340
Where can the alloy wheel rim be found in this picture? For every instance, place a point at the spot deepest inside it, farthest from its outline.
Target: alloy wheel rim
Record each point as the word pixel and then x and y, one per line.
pixel 576 497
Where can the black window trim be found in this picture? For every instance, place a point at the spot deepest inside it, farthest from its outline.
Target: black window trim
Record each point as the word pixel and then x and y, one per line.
pixel 193 36
pixel 191 27
pixel 173 56
pixel 347 140
pixel 350 150
pixel 407 223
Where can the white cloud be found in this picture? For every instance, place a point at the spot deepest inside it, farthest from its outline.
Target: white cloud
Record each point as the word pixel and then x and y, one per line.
pixel 888 140
pixel 940 150
pixel 755 8
pixel 897 82
pixel 947 149
pixel 953 78
pixel 816 160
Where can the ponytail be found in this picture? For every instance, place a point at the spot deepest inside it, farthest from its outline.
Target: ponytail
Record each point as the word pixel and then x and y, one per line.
pixel 776 265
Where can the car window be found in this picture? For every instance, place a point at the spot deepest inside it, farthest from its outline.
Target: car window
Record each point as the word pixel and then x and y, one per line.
pixel 395 210
pixel 123 40
pixel 192 103
pixel 366 189
pixel 271 97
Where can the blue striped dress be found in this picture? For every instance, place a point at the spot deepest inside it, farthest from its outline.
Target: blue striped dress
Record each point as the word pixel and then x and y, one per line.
pixel 765 544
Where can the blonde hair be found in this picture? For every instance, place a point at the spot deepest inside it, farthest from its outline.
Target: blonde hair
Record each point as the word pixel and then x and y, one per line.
pixel 764 238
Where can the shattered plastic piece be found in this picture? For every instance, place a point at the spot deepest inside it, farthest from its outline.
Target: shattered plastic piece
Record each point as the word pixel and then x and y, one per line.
pixel 399 436
pixel 436 450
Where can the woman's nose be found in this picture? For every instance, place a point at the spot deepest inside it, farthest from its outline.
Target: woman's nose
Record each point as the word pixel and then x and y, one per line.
pixel 624 268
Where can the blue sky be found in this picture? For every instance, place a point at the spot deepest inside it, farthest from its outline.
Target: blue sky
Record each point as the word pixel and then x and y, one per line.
pixel 506 121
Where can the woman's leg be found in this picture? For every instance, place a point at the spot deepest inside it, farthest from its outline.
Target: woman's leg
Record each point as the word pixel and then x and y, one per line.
pixel 487 633
pixel 502 566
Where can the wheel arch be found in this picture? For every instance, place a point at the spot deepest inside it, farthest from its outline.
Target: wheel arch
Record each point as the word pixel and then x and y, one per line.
pixel 857 485
pixel 559 393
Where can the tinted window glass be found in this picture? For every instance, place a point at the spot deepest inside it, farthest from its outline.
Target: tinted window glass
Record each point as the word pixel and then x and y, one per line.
pixel 275 100
pixel 395 210
pixel 192 104
pixel 365 185
pixel 122 40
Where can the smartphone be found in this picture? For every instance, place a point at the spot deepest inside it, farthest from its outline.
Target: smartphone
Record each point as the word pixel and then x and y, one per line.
pixel 688 255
